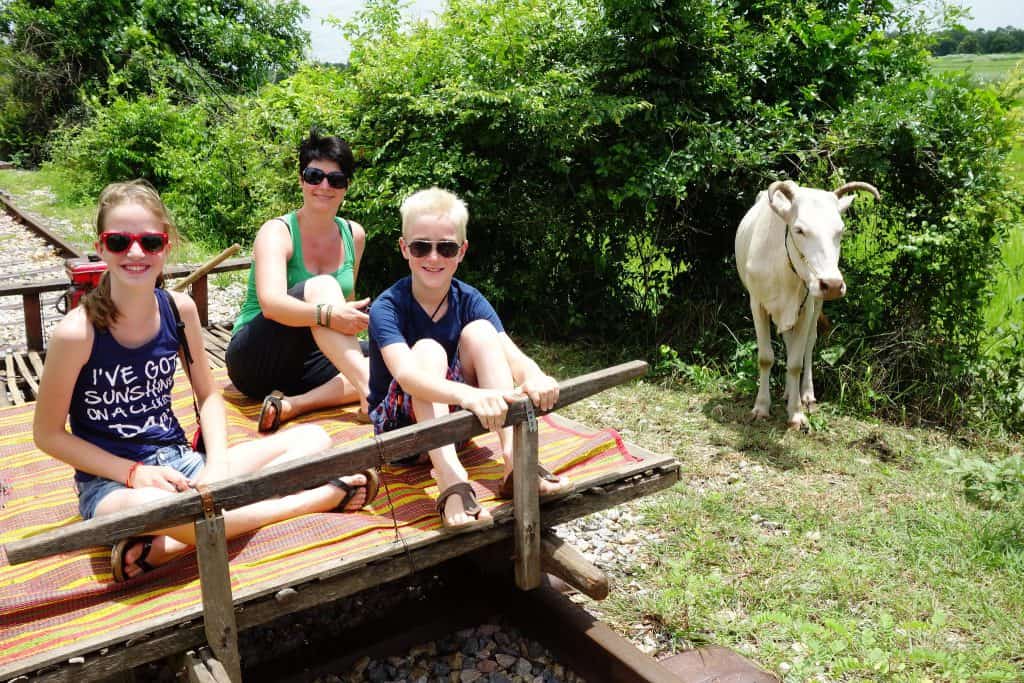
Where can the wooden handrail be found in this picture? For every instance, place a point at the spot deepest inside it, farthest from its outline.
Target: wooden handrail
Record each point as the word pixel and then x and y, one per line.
pixel 171 272
pixel 297 475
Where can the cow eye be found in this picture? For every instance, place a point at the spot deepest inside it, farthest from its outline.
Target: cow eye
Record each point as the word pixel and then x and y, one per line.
pixel 798 230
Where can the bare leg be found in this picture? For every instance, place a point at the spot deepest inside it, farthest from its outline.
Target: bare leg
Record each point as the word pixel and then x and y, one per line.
pixel 447 469
pixel 247 457
pixel 484 365
pixel 353 384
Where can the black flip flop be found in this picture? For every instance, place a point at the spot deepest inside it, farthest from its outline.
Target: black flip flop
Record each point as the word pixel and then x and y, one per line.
pixel 372 487
pixel 119 551
pixel 272 400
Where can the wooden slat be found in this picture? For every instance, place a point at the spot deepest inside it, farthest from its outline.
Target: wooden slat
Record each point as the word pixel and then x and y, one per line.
pixel 196 671
pixel 526 503
pixel 37 363
pixel 296 475
pixel 12 381
pixel 26 373
pixel 346 577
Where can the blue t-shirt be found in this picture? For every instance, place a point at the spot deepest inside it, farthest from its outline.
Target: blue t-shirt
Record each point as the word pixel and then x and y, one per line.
pixel 396 317
pixel 124 393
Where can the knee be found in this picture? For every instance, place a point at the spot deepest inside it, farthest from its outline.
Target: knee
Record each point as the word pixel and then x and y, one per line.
pixel 430 355
pixel 312 437
pixel 321 288
pixel 479 334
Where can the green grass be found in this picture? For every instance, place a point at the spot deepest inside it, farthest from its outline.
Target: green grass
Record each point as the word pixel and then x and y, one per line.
pixel 987 68
pixel 848 554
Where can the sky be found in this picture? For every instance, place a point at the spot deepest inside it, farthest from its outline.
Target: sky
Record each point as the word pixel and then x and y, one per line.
pixel 328 45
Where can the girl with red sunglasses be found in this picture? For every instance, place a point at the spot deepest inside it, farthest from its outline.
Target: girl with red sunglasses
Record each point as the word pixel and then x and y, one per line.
pixel 294 342
pixel 109 372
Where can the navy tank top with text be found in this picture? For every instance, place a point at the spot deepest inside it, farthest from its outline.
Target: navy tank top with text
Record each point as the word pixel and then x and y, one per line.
pixel 123 396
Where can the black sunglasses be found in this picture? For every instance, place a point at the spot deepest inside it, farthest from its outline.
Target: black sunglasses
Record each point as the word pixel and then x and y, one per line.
pixel 445 248
pixel 314 176
pixel 118 242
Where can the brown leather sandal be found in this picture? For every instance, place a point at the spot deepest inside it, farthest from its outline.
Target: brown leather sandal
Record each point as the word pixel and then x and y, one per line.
pixel 464 490
pixel 507 487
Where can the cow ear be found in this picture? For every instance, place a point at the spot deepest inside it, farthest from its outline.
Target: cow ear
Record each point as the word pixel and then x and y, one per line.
pixel 845 201
pixel 781 206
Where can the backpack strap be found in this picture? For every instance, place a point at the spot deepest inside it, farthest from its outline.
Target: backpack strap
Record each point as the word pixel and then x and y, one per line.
pixel 179 327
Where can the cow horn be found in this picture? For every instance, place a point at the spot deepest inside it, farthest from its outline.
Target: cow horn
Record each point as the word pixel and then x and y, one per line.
pixel 781 186
pixel 853 187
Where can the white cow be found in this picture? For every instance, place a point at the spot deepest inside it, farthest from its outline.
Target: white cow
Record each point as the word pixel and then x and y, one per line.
pixel 787 254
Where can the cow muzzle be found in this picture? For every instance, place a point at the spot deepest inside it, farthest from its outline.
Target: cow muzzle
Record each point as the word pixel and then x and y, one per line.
pixel 831 288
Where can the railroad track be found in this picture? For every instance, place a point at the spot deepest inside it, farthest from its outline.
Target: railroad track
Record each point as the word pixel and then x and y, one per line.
pixel 30 253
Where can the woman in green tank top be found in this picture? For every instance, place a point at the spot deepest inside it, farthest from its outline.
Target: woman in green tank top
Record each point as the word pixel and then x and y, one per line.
pixel 294 342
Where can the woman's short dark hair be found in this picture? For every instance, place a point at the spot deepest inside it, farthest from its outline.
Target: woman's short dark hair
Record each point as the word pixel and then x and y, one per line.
pixel 328 148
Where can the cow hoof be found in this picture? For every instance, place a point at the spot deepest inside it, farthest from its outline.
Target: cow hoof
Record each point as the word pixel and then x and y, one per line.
pixel 798 423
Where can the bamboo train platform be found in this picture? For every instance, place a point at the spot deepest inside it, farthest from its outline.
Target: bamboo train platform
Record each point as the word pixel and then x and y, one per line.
pixel 63 617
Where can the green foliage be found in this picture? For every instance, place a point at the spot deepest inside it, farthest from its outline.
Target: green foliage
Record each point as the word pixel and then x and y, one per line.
pixel 608 149
pixel 60 52
pixel 999 482
pixel 127 138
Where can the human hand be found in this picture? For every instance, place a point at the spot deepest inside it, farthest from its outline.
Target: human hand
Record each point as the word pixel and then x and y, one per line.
pixel 542 390
pixel 489 405
pixel 350 318
pixel 160 477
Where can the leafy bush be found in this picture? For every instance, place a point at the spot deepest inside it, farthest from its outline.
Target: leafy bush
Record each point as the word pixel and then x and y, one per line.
pixel 990 482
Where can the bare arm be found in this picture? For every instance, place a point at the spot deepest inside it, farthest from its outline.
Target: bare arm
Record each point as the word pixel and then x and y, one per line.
pixel 528 377
pixel 212 414
pixel 70 346
pixel 271 251
pixel 359 241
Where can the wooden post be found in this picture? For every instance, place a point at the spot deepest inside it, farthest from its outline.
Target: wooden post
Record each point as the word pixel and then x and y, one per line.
pixel 526 501
pixel 215 583
pixel 200 296
pixel 33 321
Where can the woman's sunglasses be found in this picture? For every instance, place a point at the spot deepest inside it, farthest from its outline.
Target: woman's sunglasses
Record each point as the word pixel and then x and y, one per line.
pixel 314 176
pixel 118 242
pixel 445 248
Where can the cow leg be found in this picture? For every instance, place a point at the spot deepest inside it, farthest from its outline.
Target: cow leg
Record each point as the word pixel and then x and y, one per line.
pixel 796 346
pixel 765 359
pixel 807 383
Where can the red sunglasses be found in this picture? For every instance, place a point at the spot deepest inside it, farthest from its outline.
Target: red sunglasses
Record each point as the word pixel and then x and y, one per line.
pixel 119 242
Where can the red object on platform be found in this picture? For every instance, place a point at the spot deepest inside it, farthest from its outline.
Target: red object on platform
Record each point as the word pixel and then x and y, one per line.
pixel 85 276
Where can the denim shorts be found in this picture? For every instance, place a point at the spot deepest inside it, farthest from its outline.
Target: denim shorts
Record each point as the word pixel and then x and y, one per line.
pixel 180 458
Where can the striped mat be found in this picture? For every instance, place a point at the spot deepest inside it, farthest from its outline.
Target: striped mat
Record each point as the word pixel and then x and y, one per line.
pixel 50 604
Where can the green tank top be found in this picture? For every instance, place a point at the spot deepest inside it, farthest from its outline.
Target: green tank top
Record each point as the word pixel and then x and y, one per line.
pixel 296 270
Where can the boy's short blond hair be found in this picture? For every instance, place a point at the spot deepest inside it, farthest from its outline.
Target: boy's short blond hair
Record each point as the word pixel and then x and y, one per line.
pixel 435 202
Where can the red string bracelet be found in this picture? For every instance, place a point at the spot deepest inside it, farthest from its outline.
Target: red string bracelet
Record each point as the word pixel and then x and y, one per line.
pixel 131 474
